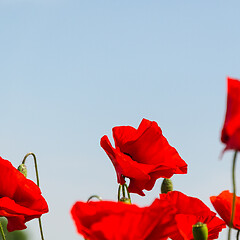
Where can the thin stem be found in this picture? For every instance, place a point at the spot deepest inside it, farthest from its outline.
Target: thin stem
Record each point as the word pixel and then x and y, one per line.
pixel 127 192
pixel 119 191
pixel 238 234
pixel 35 163
pixel 37 177
pixel 40 226
pixel 2 232
pixel 234 195
pixel 94 196
pixel 123 188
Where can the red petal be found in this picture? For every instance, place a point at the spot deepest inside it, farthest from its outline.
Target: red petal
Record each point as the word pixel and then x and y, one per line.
pixel 231 128
pixel 223 205
pixel 191 210
pixel 143 155
pixel 20 198
pixel 110 220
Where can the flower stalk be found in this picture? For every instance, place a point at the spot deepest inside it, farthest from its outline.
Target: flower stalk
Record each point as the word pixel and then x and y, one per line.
pixel 37 177
pixel 234 195
pixel 94 196
pixel 35 164
pixel 2 232
pixel 124 198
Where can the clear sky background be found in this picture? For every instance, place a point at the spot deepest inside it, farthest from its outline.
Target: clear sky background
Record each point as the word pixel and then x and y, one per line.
pixel 70 70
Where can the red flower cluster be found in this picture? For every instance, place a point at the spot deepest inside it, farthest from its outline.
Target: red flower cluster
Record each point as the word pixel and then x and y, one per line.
pixel 143 155
pixel 20 198
pixel 191 210
pixel 231 128
pixel 223 205
pixel 173 215
pixel 116 220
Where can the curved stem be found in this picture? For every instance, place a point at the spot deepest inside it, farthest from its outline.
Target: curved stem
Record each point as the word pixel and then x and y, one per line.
pixel 238 234
pixel 2 232
pixel 234 195
pixel 37 177
pixel 94 196
pixel 35 163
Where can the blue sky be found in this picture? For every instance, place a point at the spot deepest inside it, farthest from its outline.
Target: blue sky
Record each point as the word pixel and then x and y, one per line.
pixel 72 70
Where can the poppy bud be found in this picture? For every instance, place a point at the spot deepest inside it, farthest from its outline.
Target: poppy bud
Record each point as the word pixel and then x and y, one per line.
pixel 167 185
pixel 23 169
pixel 125 200
pixel 200 231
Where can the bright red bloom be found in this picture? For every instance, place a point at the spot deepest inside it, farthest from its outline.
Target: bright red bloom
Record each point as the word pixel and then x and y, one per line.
pixel 231 128
pixel 106 220
pixel 191 210
pixel 20 198
pixel 143 155
pixel 223 205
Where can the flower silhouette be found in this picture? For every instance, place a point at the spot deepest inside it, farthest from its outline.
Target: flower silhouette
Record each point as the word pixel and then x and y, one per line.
pixel 20 198
pixel 143 155
pixel 231 128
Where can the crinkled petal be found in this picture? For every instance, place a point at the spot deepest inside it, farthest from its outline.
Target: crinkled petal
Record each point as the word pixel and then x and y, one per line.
pixel 143 155
pixel 20 198
pixel 110 220
pixel 223 205
pixel 191 210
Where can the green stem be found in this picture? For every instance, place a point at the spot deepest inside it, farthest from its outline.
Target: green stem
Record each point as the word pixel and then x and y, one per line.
pixel 2 232
pixel 94 196
pixel 37 177
pixel 119 191
pixel 123 187
pixel 40 226
pixel 234 195
pixel 35 163
pixel 123 190
pixel 127 191
pixel 238 234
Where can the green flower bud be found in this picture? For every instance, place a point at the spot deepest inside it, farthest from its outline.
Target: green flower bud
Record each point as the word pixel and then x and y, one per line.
pixel 125 200
pixel 23 169
pixel 167 185
pixel 200 231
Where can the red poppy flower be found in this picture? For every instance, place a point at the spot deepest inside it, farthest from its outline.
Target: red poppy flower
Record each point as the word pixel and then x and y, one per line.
pixel 223 205
pixel 231 128
pixel 116 220
pixel 191 210
pixel 20 198
pixel 143 155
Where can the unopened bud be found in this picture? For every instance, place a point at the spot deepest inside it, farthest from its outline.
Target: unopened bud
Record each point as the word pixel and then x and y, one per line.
pixel 23 169
pixel 167 185
pixel 125 200
pixel 200 231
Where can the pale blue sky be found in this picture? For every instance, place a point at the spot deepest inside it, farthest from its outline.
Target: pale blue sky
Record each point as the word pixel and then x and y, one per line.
pixel 72 70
